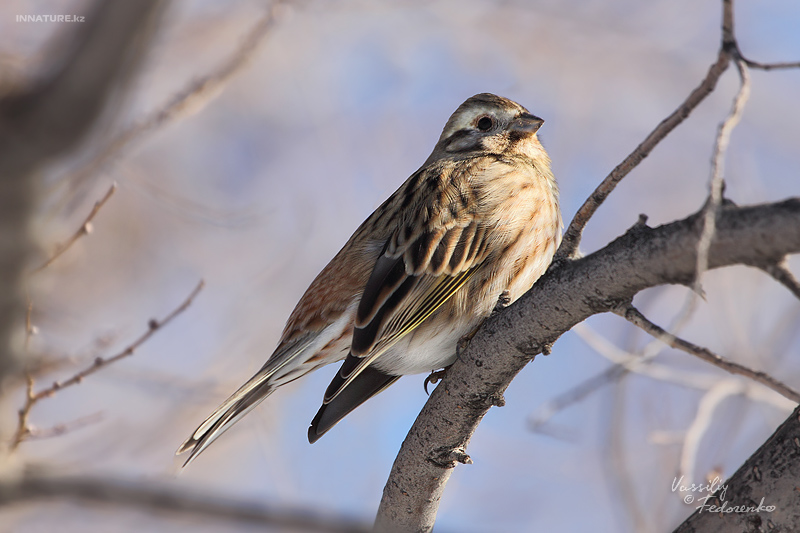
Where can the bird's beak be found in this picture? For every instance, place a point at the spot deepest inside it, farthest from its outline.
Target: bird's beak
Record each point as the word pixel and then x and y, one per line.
pixel 526 123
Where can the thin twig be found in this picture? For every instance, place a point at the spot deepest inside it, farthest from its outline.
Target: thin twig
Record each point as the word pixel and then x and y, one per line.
pixel 85 229
pixel 716 184
pixel 187 102
pixel 640 363
pixel 771 66
pixel 572 237
pixel 23 429
pixel 30 330
pixel 587 387
pixel 632 315
pixel 701 423
pixel 624 362
pixel 63 428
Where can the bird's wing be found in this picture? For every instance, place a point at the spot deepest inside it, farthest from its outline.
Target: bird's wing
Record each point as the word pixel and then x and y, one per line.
pixel 432 253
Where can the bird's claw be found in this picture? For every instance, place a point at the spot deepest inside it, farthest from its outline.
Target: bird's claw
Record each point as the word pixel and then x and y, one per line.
pixel 434 378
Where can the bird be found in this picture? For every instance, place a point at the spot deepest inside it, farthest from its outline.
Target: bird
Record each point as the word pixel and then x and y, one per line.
pixel 472 229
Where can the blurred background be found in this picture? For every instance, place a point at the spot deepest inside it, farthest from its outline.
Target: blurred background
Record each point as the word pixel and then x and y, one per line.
pixel 260 185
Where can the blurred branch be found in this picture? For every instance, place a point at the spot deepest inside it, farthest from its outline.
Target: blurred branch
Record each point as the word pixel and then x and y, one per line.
pixel 701 424
pixel 63 428
pixel 565 296
pixel 642 364
pixel 187 102
pixel 99 363
pixel 632 315
pixel 149 497
pixel 51 117
pixel 85 229
pixel 716 184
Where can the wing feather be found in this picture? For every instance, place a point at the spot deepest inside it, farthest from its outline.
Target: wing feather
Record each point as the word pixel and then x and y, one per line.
pixel 429 256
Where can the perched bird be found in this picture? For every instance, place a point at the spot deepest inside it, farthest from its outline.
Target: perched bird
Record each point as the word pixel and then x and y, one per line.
pixel 477 223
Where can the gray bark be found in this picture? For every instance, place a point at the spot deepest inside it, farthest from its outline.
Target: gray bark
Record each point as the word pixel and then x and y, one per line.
pixel 765 486
pixel 568 294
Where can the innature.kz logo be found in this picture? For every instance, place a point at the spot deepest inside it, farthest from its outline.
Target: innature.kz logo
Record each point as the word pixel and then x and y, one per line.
pixel 50 18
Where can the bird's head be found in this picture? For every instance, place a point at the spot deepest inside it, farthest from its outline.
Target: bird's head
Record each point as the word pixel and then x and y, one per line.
pixel 489 124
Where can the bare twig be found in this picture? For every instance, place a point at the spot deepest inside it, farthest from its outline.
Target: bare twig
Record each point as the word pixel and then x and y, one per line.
pixel 85 229
pixel 23 430
pixel 771 66
pixel 187 102
pixel 716 184
pixel 572 237
pixel 30 330
pixel 728 50
pixel 702 422
pixel 63 428
pixel 50 116
pixel 575 394
pixel 640 363
pixel 632 315
pixel 170 498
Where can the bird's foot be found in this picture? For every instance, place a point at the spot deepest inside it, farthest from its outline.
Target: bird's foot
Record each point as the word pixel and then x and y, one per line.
pixel 435 377
pixel 502 302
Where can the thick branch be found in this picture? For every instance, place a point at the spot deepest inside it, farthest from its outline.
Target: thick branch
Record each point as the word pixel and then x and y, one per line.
pixel 162 498
pixel 643 257
pixel 766 483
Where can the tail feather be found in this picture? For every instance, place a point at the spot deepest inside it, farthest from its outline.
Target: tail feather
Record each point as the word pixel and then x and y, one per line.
pixel 281 368
pixel 218 423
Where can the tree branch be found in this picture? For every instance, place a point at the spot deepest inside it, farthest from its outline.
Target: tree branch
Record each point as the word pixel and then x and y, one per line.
pixel 572 237
pixel 150 497
pixel 767 481
pixel 781 273
pixel 632 315
pixel 187 102
pixel 31 398
pixel 85 229
pixel 568 294
pixel 47 119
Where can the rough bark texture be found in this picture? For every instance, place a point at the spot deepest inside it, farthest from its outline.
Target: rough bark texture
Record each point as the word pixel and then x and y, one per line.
pixel 769 478
pixel 48 119
pixel 568 294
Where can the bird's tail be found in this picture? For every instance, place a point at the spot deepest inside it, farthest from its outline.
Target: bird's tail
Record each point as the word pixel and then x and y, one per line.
pixel 226 415
pixel 285 365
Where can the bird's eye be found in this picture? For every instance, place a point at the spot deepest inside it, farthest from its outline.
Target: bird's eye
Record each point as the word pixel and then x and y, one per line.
pixel 485 123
